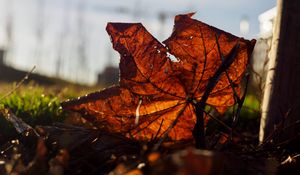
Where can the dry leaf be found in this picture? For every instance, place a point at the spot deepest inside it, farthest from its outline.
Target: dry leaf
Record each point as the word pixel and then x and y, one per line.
pixel 156 90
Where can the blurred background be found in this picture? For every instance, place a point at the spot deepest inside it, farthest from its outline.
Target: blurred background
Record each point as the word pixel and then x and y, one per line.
pixel 66 39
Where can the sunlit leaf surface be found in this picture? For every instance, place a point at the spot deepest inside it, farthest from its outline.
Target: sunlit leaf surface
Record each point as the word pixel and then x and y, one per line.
pixel 155 90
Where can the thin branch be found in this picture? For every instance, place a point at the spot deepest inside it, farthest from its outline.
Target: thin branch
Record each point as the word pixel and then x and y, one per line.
pixel 226 72
pixel 218 121
pixel 240 104
pixel 204 64
pixel 238 100
pixel 198 131
pixel 166 133
pixel 17 122
pixel 18 85
pixel 278 130
pixel 158 131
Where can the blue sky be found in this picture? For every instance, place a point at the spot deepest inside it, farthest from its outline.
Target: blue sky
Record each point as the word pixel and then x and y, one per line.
pixel 66 26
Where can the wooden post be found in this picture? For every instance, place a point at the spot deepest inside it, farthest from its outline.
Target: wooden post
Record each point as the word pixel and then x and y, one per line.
pixel 281 101
pixel 2 55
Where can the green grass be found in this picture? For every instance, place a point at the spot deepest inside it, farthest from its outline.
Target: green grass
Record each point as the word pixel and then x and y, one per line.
pixel 31 104
pixel 248 119
pixel 36 105
pixel 250 108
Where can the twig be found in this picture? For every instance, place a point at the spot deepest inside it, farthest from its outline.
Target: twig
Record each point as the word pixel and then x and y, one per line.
pixel 198 131
pixel 166 133
pixel 226 73
pixel 278 130
pixel 17 122
pixel 238 100
pixel 158 131
pixel 218 121
pixel 240 103
pixel 274 147
pixel 18 85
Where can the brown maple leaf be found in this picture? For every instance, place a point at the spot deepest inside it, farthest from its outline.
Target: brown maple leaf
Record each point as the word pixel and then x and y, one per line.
pixel 158 95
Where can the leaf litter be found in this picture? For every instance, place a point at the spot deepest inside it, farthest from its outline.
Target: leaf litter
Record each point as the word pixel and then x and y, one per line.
pixel 157 98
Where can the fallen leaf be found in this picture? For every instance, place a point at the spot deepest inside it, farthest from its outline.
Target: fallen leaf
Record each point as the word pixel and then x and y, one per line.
pixel 157 93
pixel 153 157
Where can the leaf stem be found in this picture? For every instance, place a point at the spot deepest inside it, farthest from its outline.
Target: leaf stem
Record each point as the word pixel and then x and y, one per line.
pixel 199 131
